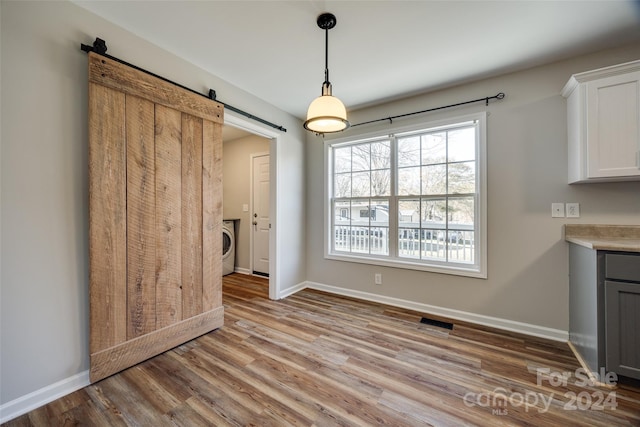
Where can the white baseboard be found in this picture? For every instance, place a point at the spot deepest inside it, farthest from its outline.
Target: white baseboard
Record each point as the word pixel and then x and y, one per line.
pixel 243 271
pixel 292 290
pixel 36 399
pixel 494 322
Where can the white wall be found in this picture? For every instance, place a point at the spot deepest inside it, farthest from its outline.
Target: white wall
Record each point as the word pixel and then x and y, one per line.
pixel 236 171
pixel 44 252
pixel 527 171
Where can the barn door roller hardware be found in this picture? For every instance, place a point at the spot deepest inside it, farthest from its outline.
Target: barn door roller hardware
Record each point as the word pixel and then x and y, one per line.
pixel 100 47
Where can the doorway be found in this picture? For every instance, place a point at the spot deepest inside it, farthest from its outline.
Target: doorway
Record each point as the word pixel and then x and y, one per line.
pixel 245 140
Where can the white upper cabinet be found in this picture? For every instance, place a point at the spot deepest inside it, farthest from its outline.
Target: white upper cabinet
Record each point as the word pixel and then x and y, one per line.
pixel 603 119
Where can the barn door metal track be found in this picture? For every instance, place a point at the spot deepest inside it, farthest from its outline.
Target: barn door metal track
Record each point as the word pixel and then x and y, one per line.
pixel 100 47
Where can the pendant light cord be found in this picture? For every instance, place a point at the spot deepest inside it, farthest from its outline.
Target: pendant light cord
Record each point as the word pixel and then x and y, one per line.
pixel 326 56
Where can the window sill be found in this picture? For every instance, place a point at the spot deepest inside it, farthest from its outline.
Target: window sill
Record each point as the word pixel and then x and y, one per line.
pixel 458 270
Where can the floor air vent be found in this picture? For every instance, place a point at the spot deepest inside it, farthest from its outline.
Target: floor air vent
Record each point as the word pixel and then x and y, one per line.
pixel 437 323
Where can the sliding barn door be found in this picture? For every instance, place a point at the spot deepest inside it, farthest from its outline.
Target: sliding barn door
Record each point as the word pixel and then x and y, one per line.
pixel 155 216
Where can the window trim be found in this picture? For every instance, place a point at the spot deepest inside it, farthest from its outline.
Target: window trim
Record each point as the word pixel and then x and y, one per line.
pixel 479 269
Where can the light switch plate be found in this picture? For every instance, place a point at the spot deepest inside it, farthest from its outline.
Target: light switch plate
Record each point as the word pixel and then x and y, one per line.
pixel 245 208
pixel 573 210
pixel 557 210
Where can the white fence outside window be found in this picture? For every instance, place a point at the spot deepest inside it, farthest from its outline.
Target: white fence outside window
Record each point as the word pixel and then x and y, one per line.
pixel 413 243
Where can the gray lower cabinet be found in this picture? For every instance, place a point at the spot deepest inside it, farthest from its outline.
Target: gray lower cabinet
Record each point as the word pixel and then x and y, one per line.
pixel 622 314
pixel 604 309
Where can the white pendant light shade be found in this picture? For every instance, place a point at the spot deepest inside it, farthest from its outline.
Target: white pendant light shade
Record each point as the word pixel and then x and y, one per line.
pixel 326 113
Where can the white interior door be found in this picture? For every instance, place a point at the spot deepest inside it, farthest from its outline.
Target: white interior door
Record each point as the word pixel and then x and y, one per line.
pixel 261 222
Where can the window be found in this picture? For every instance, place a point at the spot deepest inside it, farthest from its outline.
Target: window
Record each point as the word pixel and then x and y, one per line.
pixel 413 198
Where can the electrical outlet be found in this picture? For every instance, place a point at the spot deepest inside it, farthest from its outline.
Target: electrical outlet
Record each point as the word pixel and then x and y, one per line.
pixel 377 278
pixel 573 210
pixel 557 210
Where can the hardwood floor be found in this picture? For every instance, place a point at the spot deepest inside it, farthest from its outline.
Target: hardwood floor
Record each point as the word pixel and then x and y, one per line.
pixel 324 360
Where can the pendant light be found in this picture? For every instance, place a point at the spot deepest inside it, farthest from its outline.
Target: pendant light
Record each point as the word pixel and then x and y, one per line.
pixel 326 113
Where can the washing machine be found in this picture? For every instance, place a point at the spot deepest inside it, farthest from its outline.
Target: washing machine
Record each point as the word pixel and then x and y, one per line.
pixel 228 248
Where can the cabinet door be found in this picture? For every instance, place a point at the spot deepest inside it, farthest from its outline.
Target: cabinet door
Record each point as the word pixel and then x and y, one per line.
pixel 613 129
pixel 622 302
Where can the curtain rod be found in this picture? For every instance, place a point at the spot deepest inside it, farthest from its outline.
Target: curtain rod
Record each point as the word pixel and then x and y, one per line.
pixel 100 47
pixel 486 99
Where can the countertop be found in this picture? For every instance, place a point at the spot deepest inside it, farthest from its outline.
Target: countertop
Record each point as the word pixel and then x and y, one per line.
pixel 625 238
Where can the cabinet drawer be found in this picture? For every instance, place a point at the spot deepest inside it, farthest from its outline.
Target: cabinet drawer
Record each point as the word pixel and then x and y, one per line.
pixel 622 267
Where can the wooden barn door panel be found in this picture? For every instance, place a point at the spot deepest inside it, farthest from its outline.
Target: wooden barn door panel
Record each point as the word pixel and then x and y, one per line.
pixel 191 216
pixel 141 201
pixel 168 216
pixel 212 221
pixel 155 181
pixel 107 218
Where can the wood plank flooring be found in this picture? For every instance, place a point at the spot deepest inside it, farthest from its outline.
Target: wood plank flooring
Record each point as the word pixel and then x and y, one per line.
pixel 316 359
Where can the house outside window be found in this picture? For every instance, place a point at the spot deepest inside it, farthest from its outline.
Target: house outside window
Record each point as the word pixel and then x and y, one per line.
pixel 411 198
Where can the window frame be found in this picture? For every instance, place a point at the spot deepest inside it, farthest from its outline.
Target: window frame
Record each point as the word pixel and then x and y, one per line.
pixel 476 270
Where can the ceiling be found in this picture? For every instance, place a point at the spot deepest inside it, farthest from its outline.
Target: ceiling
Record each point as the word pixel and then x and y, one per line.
pixel 379 50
